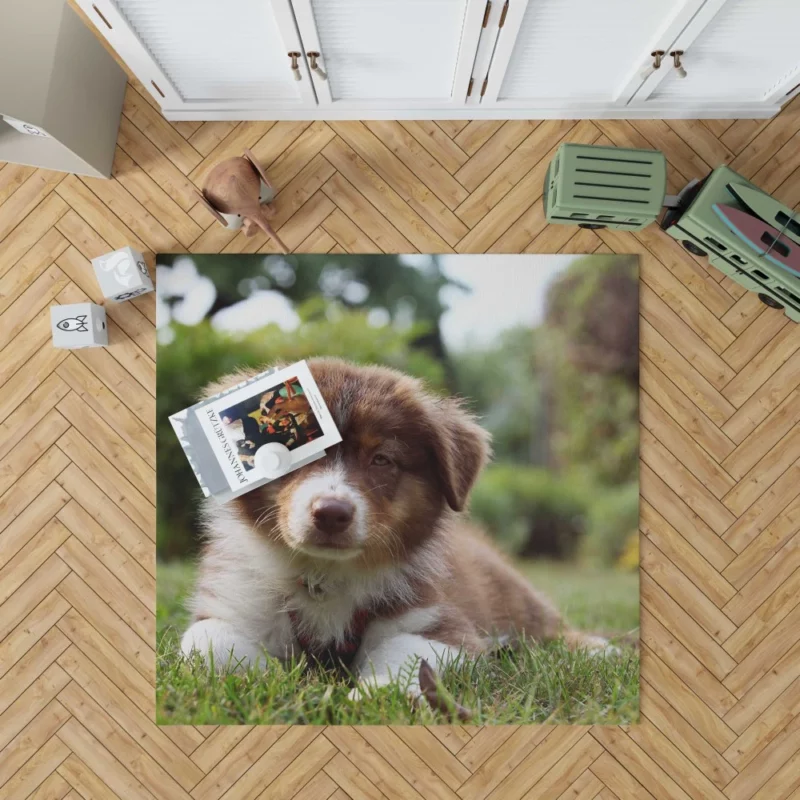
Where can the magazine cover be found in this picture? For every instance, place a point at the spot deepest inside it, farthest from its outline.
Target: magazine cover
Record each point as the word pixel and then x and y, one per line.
pixel 222 435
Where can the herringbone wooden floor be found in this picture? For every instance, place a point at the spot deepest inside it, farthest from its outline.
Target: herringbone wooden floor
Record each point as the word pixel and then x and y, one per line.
pixel 720 471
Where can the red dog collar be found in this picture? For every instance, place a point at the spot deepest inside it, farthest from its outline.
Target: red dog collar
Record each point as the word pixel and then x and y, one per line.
pixel 333 654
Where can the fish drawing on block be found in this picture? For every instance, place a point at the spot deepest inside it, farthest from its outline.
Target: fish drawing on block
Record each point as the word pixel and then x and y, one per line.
pixel 763 238
pixel 74 324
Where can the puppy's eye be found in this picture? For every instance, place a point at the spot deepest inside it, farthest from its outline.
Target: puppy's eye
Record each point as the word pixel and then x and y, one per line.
pixel 379 460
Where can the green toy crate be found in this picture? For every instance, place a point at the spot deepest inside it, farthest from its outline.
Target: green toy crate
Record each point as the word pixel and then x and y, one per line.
pixel 698 228
pixel 605 187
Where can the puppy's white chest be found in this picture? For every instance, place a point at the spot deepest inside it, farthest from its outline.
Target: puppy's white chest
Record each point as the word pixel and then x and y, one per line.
pixel 321 610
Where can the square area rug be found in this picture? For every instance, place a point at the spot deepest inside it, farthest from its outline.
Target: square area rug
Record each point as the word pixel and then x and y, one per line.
pixel 398 489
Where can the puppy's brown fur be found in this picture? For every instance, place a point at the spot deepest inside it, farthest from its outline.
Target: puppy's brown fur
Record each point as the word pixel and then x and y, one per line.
pixel 413 458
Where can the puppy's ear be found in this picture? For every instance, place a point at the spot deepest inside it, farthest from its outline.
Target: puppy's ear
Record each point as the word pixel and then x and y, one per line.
pixel 461 447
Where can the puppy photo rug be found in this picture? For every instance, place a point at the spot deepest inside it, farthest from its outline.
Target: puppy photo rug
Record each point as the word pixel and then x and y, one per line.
pixel 397 489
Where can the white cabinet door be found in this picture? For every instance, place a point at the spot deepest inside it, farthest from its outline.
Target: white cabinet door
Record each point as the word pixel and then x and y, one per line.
pixel 206 53
pixel 390 53
pixel 554 54
pixel 745 51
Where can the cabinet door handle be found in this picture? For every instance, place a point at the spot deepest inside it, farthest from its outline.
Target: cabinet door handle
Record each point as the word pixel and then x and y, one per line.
pixel 102 17
pixel 312 57
pixel 676 60
pixel 294 55
pixel 657 55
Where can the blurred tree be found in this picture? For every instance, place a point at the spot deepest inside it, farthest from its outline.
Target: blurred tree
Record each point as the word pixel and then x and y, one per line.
pixel 590 354
pixel 407 293
pixel 594 305
pixel 531 511
pixel 502 386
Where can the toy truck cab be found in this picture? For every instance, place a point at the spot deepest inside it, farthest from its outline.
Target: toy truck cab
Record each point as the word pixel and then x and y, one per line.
pixel 701 231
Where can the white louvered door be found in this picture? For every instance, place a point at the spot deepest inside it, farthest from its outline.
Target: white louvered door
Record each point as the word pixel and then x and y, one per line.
pixel 735 50
pixel 446 59
pixel 390 53
pixel 209 54
pixel 574 53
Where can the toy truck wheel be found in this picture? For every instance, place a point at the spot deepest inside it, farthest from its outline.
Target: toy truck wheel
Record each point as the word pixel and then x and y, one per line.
pixel 693 248
pixel 592 226
pixel 769 301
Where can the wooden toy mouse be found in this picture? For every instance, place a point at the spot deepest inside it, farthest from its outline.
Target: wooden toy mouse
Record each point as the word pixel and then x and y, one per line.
pixel 238 193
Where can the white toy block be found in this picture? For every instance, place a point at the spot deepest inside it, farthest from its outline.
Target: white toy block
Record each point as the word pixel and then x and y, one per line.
pixel 78 325
pixel 122 274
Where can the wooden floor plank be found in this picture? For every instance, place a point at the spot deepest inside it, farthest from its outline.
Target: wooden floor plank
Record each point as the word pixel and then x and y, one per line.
pixel 426 168
pixel 414 218
pixel 44 724
pixel 705 764
pixel 437 143
pixel 160 132
pixel 720 474
pixel 685 665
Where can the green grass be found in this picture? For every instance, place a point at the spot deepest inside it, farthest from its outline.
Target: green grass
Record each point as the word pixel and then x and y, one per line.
pixel 531 684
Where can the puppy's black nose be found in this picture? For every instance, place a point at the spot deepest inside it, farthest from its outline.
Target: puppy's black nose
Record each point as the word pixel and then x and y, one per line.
pixel 332 515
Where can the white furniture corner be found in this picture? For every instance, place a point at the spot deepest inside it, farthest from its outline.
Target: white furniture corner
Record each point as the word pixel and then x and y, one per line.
pixel 57 77
pixel 450 59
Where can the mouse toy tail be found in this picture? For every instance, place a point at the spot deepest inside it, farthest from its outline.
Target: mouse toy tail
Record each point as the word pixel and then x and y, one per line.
pixel 262 223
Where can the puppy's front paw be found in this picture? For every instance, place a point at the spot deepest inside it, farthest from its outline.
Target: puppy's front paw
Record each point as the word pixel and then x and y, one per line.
pixel 218 640
pixel 367 686
pixel 593 645
pixel 599 647
pixel 422 690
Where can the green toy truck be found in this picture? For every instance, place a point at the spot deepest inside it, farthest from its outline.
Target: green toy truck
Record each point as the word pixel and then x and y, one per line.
pixel 610 187
pixel 701 231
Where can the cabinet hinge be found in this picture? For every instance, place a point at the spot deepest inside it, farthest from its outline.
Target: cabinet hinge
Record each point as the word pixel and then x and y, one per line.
pixel 503 15
pixel 486 13
pixel 485 83
pixel 469 88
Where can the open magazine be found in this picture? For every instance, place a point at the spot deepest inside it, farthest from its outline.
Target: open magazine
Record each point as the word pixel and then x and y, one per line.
pixel 222 435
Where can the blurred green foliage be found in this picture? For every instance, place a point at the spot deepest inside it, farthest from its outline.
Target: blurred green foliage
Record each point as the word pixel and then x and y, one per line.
pixel 560 400
pixel 612 519
pixel 502 386
pixel 592 358
pixel 531 510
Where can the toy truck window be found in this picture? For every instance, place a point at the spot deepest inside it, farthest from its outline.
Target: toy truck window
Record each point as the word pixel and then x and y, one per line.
pixel 775 244
pixel 791 225
pixel 715 243
pixel 759 274
pixel 577 214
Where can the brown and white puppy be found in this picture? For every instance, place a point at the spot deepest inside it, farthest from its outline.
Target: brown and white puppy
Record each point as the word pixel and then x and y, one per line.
pixel 366 548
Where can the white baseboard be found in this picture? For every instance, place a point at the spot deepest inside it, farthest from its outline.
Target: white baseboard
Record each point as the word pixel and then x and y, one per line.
pixel 700 111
